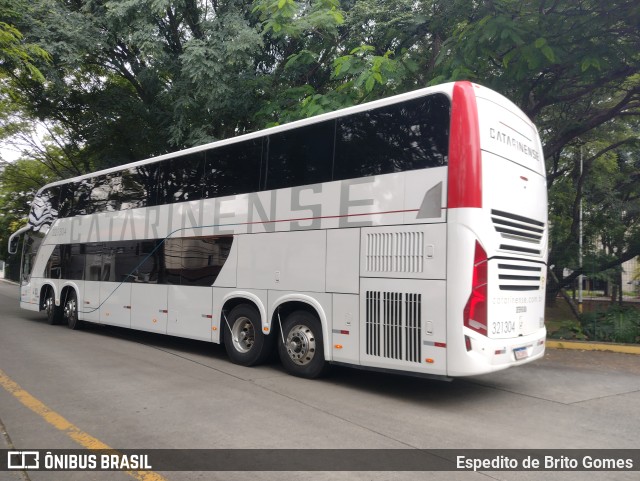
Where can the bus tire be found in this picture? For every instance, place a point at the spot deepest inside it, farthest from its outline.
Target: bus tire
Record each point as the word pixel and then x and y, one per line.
pixel 301 347
pixel 54 313
pixel 71 311
pixel 243 338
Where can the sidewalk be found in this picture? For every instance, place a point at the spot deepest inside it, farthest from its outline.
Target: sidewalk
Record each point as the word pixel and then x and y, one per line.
pixel 593 346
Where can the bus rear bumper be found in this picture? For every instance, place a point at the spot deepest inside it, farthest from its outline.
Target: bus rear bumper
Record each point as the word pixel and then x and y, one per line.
pixel 490 355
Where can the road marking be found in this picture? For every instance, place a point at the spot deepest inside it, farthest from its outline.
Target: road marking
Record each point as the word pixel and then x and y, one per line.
pixel 60 423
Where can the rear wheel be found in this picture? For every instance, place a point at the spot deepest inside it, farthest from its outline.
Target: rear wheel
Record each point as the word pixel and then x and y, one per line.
pixel 243 338
pixel 301 347
pixel 71 311
pixel 54 313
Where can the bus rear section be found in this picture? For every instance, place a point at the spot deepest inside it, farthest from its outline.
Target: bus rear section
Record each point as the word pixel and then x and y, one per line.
pixel 497 236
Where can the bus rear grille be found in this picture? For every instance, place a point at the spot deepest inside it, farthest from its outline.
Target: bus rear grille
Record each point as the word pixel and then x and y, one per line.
pixel 524 235
pixel 517 277
pixel 395 252
pixel 393 325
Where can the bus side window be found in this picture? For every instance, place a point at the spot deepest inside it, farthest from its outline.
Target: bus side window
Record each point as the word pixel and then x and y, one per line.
pixel 93 262
pixel 44 208
pixel 408 136
pixel 139 186
pixel 233 169
pixel 54 270
pixel 123 261
pixel 82 197
pixel 203 259
pixel 100 194
pixel 181 178
pixel 115 198
pixel 172 256
pixel 301 157
pixel 149 263
pixel 66 201
pixel 72 261
pixel 143 183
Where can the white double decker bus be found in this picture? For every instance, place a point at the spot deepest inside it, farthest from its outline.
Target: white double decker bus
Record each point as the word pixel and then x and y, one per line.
pixel 407 234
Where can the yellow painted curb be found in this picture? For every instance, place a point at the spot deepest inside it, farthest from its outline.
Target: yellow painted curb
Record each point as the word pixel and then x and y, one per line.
pixel 593 346
pixel 61 424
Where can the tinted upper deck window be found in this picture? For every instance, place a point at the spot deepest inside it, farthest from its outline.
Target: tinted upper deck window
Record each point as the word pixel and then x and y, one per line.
pixel 301 156
pixel 233 169
pixel 406 136
pixel 181 178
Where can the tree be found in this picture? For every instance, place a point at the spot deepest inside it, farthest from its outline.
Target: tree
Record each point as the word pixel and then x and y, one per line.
pixel 574 68
pixel 129 79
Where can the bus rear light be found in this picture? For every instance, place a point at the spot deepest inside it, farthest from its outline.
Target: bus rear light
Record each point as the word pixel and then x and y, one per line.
pixel 475 312
pixel 467 343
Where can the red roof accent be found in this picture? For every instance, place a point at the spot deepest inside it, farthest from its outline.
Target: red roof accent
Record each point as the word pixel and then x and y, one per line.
pixel 465 166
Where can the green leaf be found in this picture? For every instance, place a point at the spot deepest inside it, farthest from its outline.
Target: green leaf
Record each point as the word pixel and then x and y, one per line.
pixel 590 62
pixel 540 42
pixel 548 52
pixel 371 81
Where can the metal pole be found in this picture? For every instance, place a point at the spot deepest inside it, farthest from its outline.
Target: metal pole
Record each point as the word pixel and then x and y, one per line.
pixel 580 277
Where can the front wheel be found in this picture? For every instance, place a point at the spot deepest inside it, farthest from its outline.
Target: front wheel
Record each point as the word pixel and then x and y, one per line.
pixel 243 338
pixel 301 347
pixel 71 311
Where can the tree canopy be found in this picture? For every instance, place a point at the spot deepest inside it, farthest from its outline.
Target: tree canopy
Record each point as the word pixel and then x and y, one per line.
pixel 113 81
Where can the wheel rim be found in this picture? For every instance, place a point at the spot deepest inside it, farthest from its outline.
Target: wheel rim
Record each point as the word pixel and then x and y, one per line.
pixel 70 310
pixel 301 344
pixel 48 306
pixel 243 334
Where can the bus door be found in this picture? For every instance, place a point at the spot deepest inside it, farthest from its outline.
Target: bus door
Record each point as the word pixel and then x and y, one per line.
pixel 89 310
pixel 115 287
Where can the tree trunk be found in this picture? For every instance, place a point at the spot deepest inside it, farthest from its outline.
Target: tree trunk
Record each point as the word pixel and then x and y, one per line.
pixel 553 288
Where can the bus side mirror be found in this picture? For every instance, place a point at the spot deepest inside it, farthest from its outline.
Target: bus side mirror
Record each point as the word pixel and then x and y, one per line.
pixel 13 244
pixel 14 241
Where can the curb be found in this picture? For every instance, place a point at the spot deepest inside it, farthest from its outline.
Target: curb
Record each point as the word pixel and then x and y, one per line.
pixel 594 346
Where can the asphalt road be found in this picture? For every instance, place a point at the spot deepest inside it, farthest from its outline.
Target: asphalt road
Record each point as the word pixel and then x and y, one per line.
pixel 132 390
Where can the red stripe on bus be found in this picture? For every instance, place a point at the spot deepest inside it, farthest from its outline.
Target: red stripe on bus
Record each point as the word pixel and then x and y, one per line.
pixel 465 168
pixel 298 219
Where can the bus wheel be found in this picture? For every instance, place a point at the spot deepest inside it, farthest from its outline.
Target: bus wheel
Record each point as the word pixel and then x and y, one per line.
pixel 54 313
pixel 301 347
pixel 243 338
pixel 71 311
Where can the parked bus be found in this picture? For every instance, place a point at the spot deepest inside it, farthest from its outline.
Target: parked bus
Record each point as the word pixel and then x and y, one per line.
pixel 407 234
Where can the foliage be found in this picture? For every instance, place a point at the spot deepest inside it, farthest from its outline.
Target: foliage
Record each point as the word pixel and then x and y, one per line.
pixel 567 329
pixel 113 81
pixel 18 57
pixel 616 324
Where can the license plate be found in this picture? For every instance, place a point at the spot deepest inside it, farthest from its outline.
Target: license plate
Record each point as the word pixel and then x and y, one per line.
pixel 520 353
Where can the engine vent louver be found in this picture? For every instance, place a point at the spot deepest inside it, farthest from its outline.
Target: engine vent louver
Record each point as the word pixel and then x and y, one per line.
pixel 394 325
pixel 395 252
pixel 522 235
pixel 514 277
